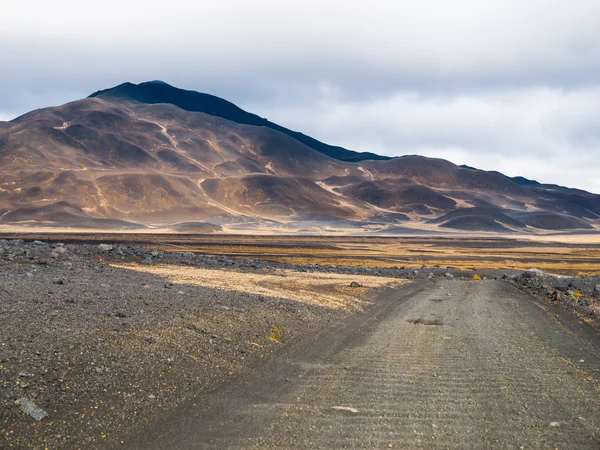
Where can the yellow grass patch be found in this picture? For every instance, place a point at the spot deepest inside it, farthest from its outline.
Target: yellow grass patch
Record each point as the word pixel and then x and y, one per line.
pixel 324 289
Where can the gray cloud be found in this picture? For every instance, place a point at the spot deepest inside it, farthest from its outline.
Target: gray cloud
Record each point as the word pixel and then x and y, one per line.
pixel 506 85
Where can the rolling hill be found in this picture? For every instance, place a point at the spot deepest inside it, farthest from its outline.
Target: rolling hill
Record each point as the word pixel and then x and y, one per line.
pixel 154 155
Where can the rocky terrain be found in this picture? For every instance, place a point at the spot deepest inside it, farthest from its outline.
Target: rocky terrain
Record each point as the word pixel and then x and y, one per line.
pixel 151 155
pixel 577 294
pixel 89 348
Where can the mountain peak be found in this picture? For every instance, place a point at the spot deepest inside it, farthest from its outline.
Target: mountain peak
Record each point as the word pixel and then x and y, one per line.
pixel 153 92
pixel 156 82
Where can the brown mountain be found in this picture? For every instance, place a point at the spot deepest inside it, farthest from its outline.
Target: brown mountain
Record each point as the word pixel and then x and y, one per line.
pixel 152 154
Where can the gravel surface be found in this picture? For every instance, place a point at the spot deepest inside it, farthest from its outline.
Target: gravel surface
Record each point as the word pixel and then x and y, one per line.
pixel 101 349
pixel 90 351
pixel 443 365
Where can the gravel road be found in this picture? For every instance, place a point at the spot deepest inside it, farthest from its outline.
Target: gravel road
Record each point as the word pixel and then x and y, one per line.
pixel 445 364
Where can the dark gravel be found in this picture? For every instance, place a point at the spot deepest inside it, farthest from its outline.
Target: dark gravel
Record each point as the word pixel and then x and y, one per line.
pixel 102 349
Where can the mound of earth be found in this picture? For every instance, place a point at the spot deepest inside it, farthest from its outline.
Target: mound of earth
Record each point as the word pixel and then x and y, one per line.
pixel 481 218
pixel 552 221
pixel 475 223
pixel 196 227
pixel 62 214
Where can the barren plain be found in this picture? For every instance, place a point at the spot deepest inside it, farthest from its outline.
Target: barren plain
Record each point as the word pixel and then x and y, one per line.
pixel 567 254
pixel 140 340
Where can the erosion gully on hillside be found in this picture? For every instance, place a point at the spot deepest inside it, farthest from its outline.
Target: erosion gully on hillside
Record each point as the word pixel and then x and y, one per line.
pixel 458 364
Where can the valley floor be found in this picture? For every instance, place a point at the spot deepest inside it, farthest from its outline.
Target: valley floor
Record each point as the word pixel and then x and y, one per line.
pixel 104 345
pixel 566 254
pixel 137 347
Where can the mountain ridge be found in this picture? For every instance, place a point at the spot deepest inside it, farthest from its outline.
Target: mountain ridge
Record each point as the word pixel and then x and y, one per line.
pixel 153 92
pixel 115 162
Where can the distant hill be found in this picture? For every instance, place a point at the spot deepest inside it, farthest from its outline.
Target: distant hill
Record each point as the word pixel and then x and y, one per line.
pixel 149 155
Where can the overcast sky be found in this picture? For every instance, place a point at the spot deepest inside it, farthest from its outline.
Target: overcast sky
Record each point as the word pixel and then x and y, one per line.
pixel 510 85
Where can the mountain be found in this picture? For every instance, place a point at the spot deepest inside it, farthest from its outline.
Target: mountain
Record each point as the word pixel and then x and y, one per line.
pixel 153 155
pixel 154 92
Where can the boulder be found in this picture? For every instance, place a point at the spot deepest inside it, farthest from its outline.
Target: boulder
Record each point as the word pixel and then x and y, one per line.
pixel 533 272
pixel 32 410
pixel 355 284
pixel 105 248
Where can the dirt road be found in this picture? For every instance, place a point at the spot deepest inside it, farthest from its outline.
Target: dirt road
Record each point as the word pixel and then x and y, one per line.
pixel 451 364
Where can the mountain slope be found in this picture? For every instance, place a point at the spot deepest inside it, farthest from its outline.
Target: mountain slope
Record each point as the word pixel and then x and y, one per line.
pixel 110 161
pixel 154 92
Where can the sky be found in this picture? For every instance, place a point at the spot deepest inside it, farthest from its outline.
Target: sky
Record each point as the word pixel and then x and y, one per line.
pixel 506 85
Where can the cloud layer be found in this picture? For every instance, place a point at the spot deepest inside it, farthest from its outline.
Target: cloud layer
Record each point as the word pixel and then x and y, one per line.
pixel 506 85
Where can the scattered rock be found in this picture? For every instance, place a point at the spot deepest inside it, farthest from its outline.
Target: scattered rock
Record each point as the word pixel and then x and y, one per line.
pixel 345 408
pixel 449 276
pixel 355 284
pixel 147 260
pixel 31 409
pixel 105 248
pixel 535 272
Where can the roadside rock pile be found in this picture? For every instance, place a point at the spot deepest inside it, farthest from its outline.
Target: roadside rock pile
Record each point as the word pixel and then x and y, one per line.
pixel 99 255
pixel 579 293
pixel 44 253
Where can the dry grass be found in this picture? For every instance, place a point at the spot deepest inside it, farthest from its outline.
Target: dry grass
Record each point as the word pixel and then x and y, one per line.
pixel 563 254
pixel 323 289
